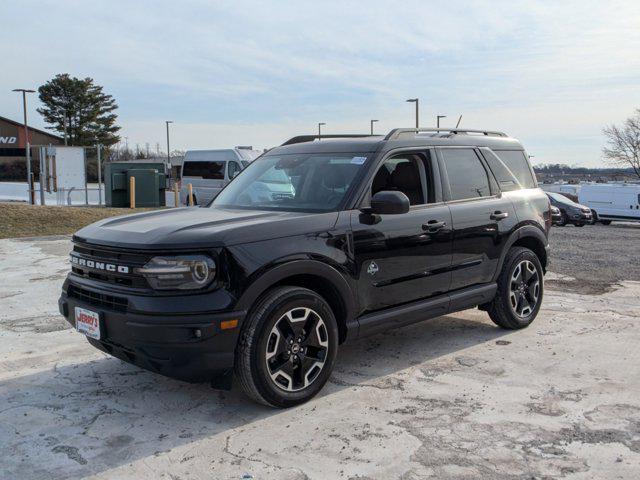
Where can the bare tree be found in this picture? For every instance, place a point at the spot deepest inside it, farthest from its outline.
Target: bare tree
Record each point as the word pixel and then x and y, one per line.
pixel 623 143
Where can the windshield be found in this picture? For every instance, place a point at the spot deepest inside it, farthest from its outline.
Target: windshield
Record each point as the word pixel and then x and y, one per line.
pixel 558 197
pixel 306 182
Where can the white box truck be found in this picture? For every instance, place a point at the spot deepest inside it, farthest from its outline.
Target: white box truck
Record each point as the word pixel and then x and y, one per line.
pixel 610 202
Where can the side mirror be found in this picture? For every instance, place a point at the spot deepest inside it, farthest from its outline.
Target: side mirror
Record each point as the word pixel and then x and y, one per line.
pixel 388 202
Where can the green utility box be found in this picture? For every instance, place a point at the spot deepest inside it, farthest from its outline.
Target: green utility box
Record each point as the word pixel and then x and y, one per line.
pixel 150 183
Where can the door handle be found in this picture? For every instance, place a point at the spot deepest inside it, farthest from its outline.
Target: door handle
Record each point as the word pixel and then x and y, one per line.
pixel 433 226
pixel 498 215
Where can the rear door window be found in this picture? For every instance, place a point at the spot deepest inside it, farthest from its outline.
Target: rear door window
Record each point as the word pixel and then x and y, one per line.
pixel 519 166
pixel 467 176
pixel 206 170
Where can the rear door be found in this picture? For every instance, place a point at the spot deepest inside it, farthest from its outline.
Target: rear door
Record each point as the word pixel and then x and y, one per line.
pixel 406 257
pixel 482 218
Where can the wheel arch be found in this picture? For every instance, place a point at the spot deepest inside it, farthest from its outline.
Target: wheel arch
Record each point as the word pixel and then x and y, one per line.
pixel 313 275
pixel 529 237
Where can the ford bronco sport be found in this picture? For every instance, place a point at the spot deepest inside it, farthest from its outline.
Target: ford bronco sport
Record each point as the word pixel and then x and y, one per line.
pixel 375 232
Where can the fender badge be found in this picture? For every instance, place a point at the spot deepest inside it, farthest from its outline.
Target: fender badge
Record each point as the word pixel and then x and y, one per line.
pixel 372 269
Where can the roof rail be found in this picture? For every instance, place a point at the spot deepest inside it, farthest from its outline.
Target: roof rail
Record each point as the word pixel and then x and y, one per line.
pixel 311 138
pixel 396 132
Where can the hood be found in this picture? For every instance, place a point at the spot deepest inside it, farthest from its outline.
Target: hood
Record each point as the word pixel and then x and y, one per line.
pixel 192 228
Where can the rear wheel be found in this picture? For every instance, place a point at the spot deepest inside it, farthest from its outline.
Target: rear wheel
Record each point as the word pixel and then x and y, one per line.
pixel 287 347
pixel 520 290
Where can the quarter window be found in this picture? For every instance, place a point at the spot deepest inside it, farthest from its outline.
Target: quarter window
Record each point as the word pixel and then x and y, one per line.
pixel 519 166
pixel 467 176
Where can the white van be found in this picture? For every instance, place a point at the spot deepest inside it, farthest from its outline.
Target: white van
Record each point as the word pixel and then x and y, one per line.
pixel 209 170
pixel 612 201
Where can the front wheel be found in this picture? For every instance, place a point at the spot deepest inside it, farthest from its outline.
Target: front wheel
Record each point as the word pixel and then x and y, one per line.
pixel 287 347
pixel 563 220
pixel 520 290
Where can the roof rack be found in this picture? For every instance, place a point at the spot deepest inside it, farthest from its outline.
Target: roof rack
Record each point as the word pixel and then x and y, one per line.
pixel 311 138
pixel 397 132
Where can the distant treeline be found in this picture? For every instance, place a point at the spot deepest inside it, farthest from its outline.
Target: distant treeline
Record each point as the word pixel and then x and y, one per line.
pixel 559 168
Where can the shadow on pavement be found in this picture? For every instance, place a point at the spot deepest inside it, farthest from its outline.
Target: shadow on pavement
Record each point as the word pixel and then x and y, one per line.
pixel 83 418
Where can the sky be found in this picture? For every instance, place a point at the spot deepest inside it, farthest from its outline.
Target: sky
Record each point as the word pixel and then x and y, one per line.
pixel 551 74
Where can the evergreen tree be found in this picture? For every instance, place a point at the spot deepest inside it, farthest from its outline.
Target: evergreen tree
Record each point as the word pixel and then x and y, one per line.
pixel 89 112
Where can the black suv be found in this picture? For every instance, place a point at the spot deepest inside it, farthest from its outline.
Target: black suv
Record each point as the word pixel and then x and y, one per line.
pixel 316 243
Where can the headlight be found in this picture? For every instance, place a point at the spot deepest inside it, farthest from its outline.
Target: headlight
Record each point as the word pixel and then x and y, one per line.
pixel 185 272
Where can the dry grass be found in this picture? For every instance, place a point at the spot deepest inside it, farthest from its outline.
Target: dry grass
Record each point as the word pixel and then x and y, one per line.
pixel 22 220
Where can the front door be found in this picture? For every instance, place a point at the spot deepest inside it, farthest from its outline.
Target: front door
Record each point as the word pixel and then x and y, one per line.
pixel 405 257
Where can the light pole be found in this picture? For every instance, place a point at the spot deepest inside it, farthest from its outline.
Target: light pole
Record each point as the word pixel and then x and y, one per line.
pixel 372 122
pixel 417 102
pixel 167 122
pixel 438 117
pixel 320 129
pixel 26 136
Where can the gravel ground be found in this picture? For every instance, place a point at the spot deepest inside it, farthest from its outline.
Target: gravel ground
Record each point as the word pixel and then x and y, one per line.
pixel 596 256
pixel 452 398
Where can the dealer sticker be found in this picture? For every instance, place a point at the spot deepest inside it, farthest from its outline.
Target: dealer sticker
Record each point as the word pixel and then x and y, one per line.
pixel 88 322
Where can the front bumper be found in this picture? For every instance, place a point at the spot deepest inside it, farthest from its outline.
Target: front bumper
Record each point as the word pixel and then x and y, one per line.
pixel 580 217
pixel 192 347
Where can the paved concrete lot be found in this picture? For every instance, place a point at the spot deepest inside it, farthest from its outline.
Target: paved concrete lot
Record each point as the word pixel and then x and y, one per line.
pixel 455 397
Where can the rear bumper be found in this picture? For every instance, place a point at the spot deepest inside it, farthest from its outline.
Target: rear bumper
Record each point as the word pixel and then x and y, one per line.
pixel 192 348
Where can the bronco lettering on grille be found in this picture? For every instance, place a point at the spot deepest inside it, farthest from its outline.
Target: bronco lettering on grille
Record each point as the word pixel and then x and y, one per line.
pixel 107 267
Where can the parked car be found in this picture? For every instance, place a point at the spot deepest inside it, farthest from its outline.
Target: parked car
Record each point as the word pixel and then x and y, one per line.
pixel 208 171
pixel 612 202
pixel 378 232
pixel 570 211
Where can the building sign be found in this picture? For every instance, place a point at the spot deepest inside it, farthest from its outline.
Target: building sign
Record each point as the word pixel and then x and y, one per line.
pixel 8 140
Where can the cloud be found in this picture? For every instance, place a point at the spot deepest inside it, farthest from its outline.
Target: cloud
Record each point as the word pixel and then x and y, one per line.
pixel 551 73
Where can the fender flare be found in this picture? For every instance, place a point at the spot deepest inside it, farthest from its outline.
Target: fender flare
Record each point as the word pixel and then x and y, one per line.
pixel 301 267
pixel 522 232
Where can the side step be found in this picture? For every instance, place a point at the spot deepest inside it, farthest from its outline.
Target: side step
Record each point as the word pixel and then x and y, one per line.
pixel 414 312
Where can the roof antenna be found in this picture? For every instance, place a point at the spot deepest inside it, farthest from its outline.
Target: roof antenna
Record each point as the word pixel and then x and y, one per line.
pixel 459 120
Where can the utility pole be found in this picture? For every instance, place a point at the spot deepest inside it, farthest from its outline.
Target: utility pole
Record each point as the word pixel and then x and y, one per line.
pixel 372 122
pixel 438 117
pixel 27 143
pixel 417 102
pixel 320 129
pixel 167 122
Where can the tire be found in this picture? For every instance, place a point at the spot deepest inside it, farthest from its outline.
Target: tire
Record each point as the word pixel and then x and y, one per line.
pixel 605 222
pixel 501 309
pixel 579 224
pixel 563 220
pixel 280 316
pixel 594 217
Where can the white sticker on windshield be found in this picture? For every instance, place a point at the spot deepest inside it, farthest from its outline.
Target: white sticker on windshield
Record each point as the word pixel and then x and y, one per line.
pixel 358 160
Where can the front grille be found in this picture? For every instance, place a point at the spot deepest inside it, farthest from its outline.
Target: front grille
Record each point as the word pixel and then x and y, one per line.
pixel 103 300
pixel 110 256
